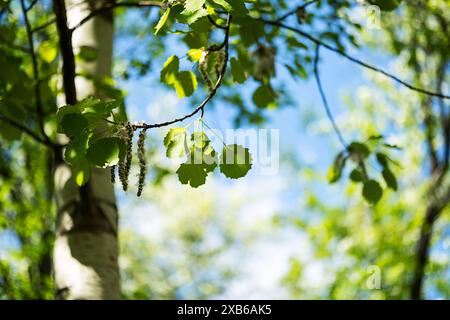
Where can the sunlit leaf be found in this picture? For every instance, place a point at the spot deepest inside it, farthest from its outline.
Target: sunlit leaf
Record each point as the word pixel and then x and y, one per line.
pixel 175 142
pixel 81 171
pixel 162 20
pixel 48 51
pixel 335 170
pixel 235 161
pixel 185 84
pixel 170 70
pixel 390 178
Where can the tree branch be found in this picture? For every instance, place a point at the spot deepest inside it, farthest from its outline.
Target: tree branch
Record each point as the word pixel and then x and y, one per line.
pixel 433 212
pixel 324 98
pixel 212 93
pixel 44 25
pixel 37 91
pixel 28 131
pixel 353 59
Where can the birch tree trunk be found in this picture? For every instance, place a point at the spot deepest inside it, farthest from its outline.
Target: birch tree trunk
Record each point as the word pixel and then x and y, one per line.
pixel 86 245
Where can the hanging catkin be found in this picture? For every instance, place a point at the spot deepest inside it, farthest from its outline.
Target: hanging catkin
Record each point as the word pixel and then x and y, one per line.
pixel 113 174
pixel 125 165
pixel 142 161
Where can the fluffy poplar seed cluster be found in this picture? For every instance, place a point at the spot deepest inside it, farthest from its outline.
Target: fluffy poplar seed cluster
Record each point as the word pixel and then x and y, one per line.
pixel 124 165
pixel 142 161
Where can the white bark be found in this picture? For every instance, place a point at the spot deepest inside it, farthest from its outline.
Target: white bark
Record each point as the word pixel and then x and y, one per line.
pixel 86 245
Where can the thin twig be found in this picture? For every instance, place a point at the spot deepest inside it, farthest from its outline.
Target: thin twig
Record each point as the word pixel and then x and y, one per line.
pixel 44 25
pixel 215 23
pixel 31 5
pixel 295 10
pixel 324 98
pixel 28 131
pixel 353 59
pixel 422 253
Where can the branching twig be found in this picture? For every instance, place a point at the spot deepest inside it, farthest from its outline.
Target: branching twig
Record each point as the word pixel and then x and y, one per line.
pixel 211 94
pixel 37 92
pixel 324 98
pixel 353 59
pixel 28 131
pixel 31 5
pixel 214 23
pixel 433 212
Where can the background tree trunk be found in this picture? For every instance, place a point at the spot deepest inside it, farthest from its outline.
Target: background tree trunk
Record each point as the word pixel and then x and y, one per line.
pixel 86 245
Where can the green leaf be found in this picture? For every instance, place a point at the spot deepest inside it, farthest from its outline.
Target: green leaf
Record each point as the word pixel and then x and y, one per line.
pixel 202 160
pixel 81 171
pixel 235 161
pixel 63 111
pixel 386 5
pixel 162 21
pixel 195 54
pixel 191 18
pixel 88 53
pixel 48 51
pixel 382 159
pixel 239 8
pixel 185 84
pixel 294 43
pixel 106 152
pixel 192 6
pixel 208 158
pixel 390 179
pixel 194 174
pixel 391 146
pixel 102 109
pixel 358 149
pixel 77 147
pixel 372 191
pixel 263 96
pixel 170 70
pixel 175 142
pixel 224 4
pixel 297 71
pixel 335 170
pixel 237 71
pixel 73 123
pixel 356 175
